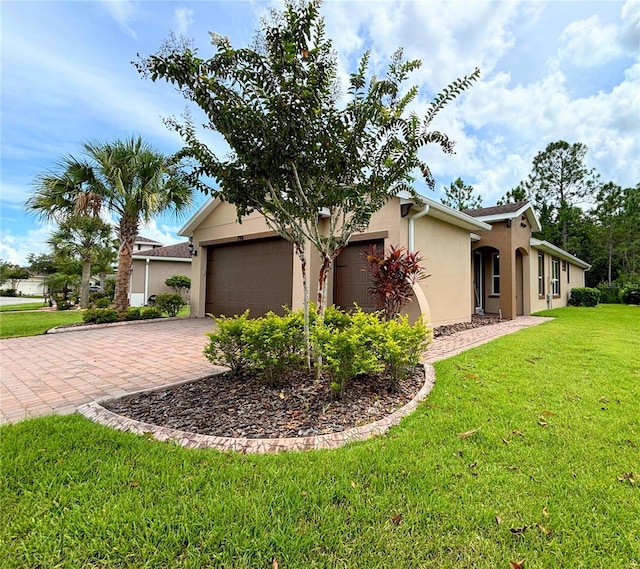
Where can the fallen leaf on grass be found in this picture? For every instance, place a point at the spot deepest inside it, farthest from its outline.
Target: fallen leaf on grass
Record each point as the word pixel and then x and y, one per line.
pixel 544 530
pixel 547 413
pixel 353 484
pixel 274 563
pixel 396 519
pixel 518 531
pixel 630 476
pixel 467 434
pixel 517 432
pixel 603 399
pixel 498 520
pixel 505 441
pixel 517 564
pixel 542 422
pixel 545 512
pixel 473 464
pixel 471 375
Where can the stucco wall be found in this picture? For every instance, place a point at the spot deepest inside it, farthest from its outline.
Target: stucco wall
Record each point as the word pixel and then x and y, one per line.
pixel 159 271
pixel 445 250
pixel 571 277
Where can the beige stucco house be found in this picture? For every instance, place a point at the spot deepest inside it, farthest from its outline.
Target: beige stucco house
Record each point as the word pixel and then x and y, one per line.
pixel 239 266
pixel 152 265
pixel 513 272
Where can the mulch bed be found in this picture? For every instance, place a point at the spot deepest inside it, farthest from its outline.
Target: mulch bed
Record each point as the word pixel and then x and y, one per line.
pixel 247 408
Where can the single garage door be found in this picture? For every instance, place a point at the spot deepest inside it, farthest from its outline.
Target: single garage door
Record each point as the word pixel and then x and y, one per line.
pixel 352 281
pixel 249 274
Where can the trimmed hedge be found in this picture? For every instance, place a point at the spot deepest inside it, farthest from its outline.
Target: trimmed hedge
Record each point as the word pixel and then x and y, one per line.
pixel 349 344
pixel 631 295
pixel 584 296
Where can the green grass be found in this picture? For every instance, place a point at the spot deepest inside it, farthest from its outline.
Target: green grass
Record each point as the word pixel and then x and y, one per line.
pixel 15 324
pixel 21 307
pixel 554 412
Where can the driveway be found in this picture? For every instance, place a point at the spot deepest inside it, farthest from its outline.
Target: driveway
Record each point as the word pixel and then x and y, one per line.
pixel 55 373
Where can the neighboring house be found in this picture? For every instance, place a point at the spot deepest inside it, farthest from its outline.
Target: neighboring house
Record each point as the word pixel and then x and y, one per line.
pixel 32 286
pixel 514 273
pixel 152 265
pixel 239 266
pixel 144 244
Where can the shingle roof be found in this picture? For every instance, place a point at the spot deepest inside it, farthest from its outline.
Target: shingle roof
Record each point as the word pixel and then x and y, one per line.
pixel 141 239
pixel 179 250
pixel 495 210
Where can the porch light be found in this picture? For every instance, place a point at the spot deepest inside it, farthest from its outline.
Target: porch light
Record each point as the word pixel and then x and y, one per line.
pixel 192 250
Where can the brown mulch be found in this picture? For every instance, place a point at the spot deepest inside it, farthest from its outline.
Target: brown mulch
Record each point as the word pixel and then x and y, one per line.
pixel 226 406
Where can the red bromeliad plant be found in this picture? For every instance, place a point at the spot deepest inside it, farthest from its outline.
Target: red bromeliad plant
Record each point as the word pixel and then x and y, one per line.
pixel 393 275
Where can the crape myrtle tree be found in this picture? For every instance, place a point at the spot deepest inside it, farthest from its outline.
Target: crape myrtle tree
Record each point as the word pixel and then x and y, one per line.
pixel 129 178
pixel 316 167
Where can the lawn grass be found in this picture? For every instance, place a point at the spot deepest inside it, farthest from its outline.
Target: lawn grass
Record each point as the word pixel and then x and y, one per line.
pixel 544 472
pixel 15 324
pixel 21 307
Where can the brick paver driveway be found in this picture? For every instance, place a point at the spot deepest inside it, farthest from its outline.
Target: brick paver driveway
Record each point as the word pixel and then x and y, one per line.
pixel 56 373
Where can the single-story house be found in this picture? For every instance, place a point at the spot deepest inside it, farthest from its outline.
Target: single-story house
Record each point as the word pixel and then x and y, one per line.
pixel 152 265
pixel 247 265
pixel 513 272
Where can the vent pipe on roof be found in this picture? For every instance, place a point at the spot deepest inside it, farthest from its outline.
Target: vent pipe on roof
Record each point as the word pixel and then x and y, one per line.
pixel 424 211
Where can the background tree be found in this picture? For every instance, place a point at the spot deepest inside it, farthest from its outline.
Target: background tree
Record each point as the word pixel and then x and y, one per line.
pixel 129 178
pixel 83 237
pixel 13 274
pixel 518 194
pixel 559 182
pixel 296 153
pixel 461 196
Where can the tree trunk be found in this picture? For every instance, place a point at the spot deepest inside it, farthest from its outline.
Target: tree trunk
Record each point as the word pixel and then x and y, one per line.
pixel 301 252
pixel 128 232
pixel 84 284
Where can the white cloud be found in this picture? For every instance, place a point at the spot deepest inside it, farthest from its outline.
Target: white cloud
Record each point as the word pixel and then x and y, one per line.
pixel 589 43
pixel 16 248
pixel 184 20
pixel 123 12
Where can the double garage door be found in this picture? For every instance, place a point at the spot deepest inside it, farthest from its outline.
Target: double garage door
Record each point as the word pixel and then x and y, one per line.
pixel 258 275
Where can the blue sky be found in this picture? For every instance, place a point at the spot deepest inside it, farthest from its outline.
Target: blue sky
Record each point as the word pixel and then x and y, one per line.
pixel 550 71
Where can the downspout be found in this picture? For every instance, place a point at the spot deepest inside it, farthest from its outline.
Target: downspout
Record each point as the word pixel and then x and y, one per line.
pixel 424 211
pixel 146 282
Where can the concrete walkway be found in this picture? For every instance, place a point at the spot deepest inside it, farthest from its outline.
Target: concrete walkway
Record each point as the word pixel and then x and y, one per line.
pixel 56 373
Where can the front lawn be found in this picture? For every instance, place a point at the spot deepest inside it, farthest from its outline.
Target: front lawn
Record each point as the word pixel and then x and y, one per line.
pixel 527 449
pixel 15 324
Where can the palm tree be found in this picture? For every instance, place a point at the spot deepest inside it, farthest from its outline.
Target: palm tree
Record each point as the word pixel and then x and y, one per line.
pixel 129 178
pixel 84 237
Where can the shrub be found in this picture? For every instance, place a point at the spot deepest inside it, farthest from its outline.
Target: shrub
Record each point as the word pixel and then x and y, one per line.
pixel 103 302
pixel 584 296
pixel 631 295
pixel 150 312
pixel 227 344
pixel 8 292
pixel 101 315
pixel 393 275
pixel 350 351
pixel 180 284
pixel 610 293
pixel 400 347
pixel 274 345
pixel 63 305
pixel 171 303
pixel 132 313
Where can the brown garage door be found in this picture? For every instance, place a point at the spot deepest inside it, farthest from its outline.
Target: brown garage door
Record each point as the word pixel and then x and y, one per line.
pixel 249 274
pixel 351 279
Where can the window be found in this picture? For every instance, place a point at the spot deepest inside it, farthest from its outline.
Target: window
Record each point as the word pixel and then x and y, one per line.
pixel 568 277
pixel 555 277
pixel 495 273
pixel 540 275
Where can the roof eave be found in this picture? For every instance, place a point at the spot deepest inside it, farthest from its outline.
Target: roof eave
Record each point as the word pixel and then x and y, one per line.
pixel 560 253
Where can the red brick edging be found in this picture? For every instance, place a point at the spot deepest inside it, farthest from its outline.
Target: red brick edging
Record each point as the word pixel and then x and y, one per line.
pixel 95 412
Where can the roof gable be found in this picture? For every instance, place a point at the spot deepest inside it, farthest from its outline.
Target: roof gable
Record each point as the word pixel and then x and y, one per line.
pixel 507 212
pixel 177 251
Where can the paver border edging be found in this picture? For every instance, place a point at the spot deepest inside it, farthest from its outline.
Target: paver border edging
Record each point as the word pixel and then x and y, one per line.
pixel 66 328
pixel 97 413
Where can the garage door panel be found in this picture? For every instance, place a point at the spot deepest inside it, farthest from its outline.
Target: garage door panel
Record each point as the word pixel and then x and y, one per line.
pixel 351 279
pixel 254 275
